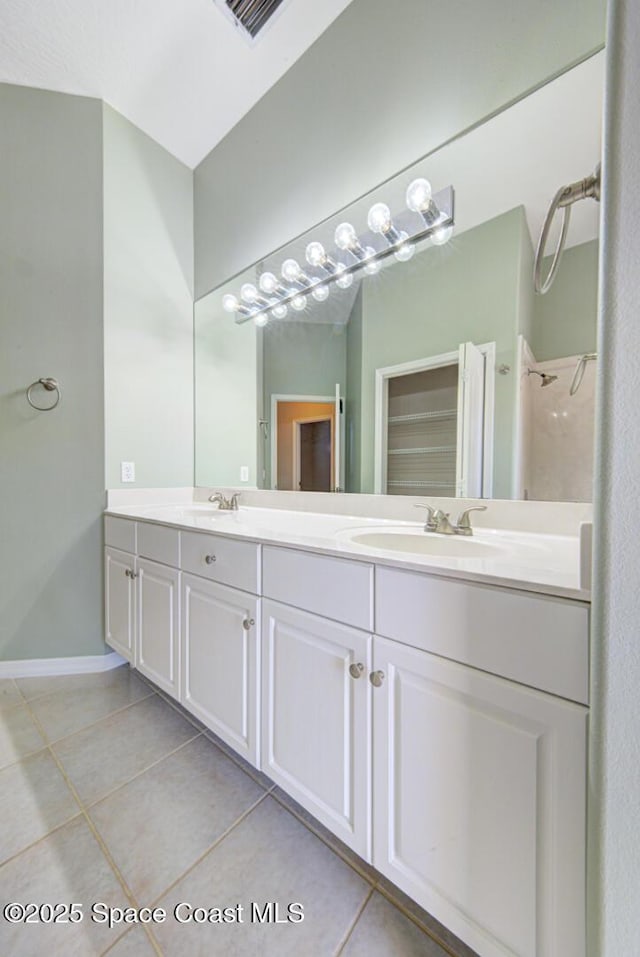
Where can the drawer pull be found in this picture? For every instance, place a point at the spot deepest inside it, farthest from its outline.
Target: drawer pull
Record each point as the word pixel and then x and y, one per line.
pixel 356 670
pixel 376 678
pixel 209 559
pixel 247 623
pixel 129 573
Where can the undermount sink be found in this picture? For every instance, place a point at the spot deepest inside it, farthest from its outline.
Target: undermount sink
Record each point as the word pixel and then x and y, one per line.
pixel 422 543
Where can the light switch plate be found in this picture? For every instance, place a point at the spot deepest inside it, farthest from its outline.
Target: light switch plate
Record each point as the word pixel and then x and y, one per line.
pixel 127 471
pixel 244 473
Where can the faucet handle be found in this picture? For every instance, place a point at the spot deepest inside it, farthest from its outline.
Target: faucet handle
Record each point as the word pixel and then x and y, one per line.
pixel 463 526
pixel 233 502
pixel 430 525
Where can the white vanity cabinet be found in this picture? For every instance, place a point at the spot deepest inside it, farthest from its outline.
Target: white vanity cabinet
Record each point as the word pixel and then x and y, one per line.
pixel 220 629
pixel 479 802
pixel 438 727
pixel 158 623
pixel 316 718
pixel 119 592
pixel 119 601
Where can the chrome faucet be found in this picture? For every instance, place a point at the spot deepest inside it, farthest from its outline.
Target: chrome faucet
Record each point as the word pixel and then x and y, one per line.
pixel 226 504
pixel 438 521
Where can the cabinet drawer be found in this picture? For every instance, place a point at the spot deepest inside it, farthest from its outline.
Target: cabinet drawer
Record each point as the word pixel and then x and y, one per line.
pixel 160 543
pixel 537 640
pixel 231 562
pixel 331 587
pixel 120 533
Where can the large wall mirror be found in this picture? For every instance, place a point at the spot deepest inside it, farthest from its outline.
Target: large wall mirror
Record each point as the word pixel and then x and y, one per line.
pixel 431 367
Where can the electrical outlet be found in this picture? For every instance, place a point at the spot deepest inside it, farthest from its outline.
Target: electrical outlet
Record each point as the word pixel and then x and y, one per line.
pixel 127 471
pixel 244 473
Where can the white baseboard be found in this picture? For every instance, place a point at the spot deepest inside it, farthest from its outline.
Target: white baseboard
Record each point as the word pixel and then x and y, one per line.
pixel 38 667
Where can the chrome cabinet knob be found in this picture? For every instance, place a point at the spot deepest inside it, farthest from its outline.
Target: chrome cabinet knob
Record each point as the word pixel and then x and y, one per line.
pixel 209 559
pixel 247 623
pixel 130 573
pixel 376 678
pixel 356 670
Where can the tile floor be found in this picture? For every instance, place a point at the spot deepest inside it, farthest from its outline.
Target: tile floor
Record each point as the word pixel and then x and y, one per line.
pixel 110 793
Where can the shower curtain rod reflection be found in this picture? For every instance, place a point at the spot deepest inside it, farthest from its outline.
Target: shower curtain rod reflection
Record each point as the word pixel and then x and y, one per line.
pixel 588 188
pixel 578 375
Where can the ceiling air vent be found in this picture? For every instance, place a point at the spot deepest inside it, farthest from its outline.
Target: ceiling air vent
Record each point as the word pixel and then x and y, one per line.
pixel 250 16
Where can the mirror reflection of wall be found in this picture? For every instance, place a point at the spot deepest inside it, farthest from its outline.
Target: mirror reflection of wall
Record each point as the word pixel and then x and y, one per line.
pixel 528 441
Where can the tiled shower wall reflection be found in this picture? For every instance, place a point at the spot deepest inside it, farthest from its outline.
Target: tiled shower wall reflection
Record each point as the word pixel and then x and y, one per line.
pixel 560 433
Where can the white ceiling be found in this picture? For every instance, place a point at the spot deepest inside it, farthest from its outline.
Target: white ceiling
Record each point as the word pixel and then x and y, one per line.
pixel 178 69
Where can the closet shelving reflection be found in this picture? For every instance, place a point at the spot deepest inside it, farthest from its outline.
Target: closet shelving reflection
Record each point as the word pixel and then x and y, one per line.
pixel 422 424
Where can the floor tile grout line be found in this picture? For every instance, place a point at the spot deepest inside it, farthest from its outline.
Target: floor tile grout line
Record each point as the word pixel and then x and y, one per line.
pixel 24 757
pixel 29 847
pixel 251 771
pixel 114 943
pixel 50 745
pixel 211 847
pixel 182 711
pixel 203 729
pixel 90 805
pixel 131 930
pixel 84 812
pixel 428 931
pixel 92 724
pixel 349 932
pixel 374 882
pixel 96 834
pixel 81 674
pixel 343 855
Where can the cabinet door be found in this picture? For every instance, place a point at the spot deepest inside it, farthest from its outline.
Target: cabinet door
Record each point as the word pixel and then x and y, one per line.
pixel 118 598
pixel 316 718
pixel 479 790
pixel 220 661
pixel 157 636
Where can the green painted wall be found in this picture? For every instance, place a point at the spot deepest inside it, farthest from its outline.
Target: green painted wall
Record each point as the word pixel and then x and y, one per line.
pixel 227 397
pixel 565 319
pixel 51 464
pixel 467 290
pixel 385 84
pixel 148 308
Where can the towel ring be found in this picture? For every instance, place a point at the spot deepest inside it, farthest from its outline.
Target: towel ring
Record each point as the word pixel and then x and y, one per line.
pixel 588 188
pixel 51 385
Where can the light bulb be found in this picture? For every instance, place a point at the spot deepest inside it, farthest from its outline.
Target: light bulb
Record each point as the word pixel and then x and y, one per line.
pixel 379 218
pixel 249 292
pixel 404 252
pixel 419 195
pixel 261 319
pixel 291 270
pixel 345 279
pixel 230 303
pixel 315 254
pixel 299 303
pixel 441 235
pixel 279 312
pixel 372 268
pixel 320 293
pixel 268 282
pixel 346 236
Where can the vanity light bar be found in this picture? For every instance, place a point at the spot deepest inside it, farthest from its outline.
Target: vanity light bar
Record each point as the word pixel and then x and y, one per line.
pixel 426 217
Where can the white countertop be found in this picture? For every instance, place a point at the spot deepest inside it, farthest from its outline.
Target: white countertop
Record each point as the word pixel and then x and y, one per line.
pixel 542 563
